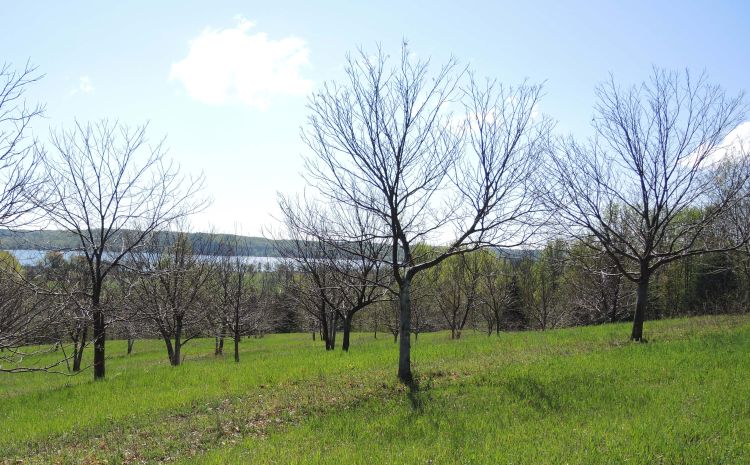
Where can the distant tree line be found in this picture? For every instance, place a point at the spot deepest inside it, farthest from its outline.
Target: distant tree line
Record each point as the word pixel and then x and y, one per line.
pixel 14 239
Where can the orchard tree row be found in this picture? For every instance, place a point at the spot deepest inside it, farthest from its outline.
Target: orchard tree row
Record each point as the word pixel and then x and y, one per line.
pixel 435 199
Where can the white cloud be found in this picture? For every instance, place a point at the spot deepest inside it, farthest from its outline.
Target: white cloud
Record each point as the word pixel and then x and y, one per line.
pixel 233 65
pixel 84 86
pixel 737 142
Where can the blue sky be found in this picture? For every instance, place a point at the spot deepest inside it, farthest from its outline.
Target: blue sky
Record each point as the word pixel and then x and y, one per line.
pixel 226 81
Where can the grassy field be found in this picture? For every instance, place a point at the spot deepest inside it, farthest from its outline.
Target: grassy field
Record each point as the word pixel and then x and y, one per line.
pixel 577 396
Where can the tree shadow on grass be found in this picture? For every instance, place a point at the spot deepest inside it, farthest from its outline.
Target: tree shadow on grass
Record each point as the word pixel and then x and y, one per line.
pixel 419 393
pixel 538 395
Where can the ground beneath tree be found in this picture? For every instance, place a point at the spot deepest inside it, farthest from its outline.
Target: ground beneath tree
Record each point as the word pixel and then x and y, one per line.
pixel 580 395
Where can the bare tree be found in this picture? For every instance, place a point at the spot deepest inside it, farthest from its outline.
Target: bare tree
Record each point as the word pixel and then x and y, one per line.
pixel 23 318
pixel 386 142
pixel 628 191
pixel 310 289
pixel 494 290
pixel 356 275
pixel 66 282
pixel 597 291
pixel 236 297
pixel 20 155
pixel 23 313
pixel 100 186
pixel 547 302
pixel 456 293
pixel 172 288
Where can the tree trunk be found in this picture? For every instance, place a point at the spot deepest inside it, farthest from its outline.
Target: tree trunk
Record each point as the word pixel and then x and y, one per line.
pixel 170 350
pixel 332 337
pixel 131 341
pixel 77 357
pixel 177 342
pixel 640 307
pixel 324 332
pixel 404 348
pixel 347 330
pixel 99 335
pixel 313 335
pixel 78 347
pixel 221 345
pixel 615 302
pixel 237 339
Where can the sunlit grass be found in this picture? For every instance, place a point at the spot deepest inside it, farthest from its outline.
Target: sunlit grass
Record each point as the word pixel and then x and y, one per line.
pixel 580 395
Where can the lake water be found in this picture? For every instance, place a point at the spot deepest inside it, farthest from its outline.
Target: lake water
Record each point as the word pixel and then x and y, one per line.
pixel 32 257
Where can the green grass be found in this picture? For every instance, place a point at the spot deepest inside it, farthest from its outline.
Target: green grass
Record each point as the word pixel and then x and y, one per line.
pixel 580 395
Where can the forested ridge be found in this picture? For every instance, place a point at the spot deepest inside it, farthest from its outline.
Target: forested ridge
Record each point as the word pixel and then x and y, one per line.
pixel 61 240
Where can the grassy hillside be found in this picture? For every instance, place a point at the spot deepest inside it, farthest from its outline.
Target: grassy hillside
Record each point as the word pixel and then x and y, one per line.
pixel 581 395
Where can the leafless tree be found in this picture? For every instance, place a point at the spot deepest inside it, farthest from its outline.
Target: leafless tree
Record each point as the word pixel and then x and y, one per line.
pixel 629 191
pixel 32 313
pixel 386 142
pixel 356 277
pixel 311 287
pixel 456 290
pixel 389 312
pixel 546 300
pixel 494 291
pixel 235 295
pixel 25 319
pixel 598 292
pixel 66 282
pixel 20 155
pixel 172 288
pixel 734 224
pixel 100 186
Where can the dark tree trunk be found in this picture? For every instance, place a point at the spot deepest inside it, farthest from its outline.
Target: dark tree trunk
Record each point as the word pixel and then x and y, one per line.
pixel 332 328
pixel 395 337
pixel 170 349
pixel 237 339
pixel 99 334
pixel 347 331
pixel 313 335
pixel 221 345
pixel 77 357
pixel 640 307
pixel 404 348
pixel 131 341
pixel 78 346
pixel 324 331
pixel 615 303
pixel 177 342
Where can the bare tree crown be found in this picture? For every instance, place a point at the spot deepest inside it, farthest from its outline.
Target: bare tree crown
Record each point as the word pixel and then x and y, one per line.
pixel 653 159
pixel 388 142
